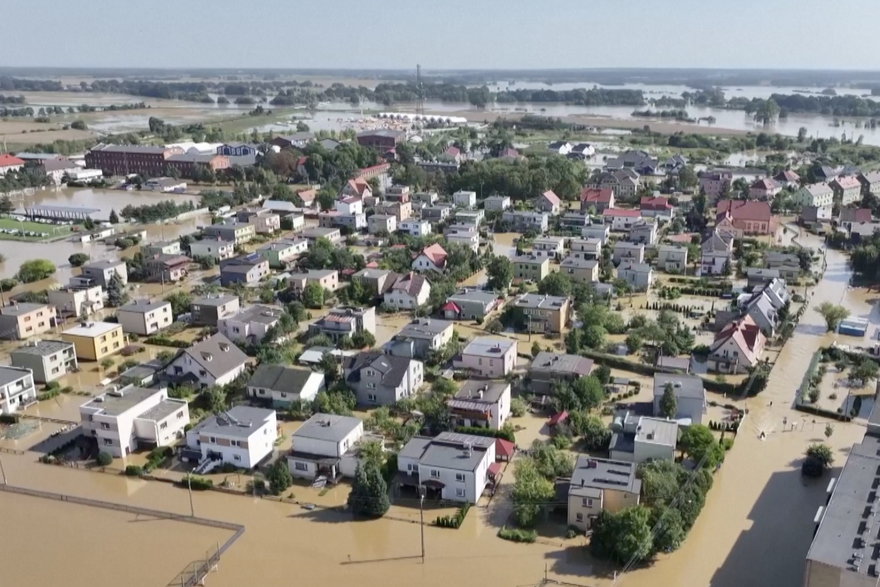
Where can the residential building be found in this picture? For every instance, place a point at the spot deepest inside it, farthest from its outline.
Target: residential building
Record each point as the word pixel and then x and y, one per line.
pixel 639 161
pixel 101 272
pixel 496 203
pixel 470 304
pixel 451 466
pixel 416 228
pixel 237 149
pixel 674 164
pixel 381 223
pixel 48 360
pixel 401 210
pixel 20 321
pixel 335 219
pixel 624 251
pixel 716 253
pixel 466 236
pixel 764 189
pixel 283 386
pixel 759 276
pixel 241 436
pixel 580 270
pixel 850 216
pixel 376 281
pixel 548 368
pixel 281 253
pixel 672 258
pixel 161 248
pixel 166 268
pixel 296 140
pixel 690 397
pixel 328 279
pixel 656 207
pixel 250 325
pixel 523 221
pixel 713 183
pixel 325 445
pixel 814 194
pixel 573 221
pixel 870 182
pixel 144 316
pixel 379 379
pixel 585 248
pixel 382 139
pixel 432 258
pixel 421 336
pixel 165 185
pixel 624 183
pixel 763 312
pixel 469 217
pixel 124 420
pixel 815 214
pixel 788 264
pixel 93 341
pixel 621 220
pixel 216 248
pixel 488 357
pixel 17 389
pixel 352 196
pixel 548 202
pixel 409 292
pixel 9 163
pixel 481 404
pixel 426 198
pixel 344 321
pixel 787 178
pixel 560 147
pixel 531 267
pixel 583 150
pixel 264 221
pixel 209 310
pixel 737 347
pixel 599 199
pixel 126 159
pixel 600 484
pixel 236 232
pixel 247 269
pixel 436 213
pixel 398 193
pixel 847 189
pixel 464 199
pixel 643 231
pixel 597 231
pixel 544 313
pixel 211 362
pixel 639 439
pixel 742 218
pixel 639 276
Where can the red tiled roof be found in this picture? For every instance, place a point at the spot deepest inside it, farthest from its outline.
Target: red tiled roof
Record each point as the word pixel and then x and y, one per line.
pixel 649 203
pixel 551 197
pixel 372 265
pixel 10 160
pixel 450 307
pixel 359 185
pixel 611 212
pixel 436 254
pixel 787 175
pixel 745 333
pixel 557 418
pixel 494 468
pixel 744 210
pixel 453 151
pixel 503 448
pixel 602 196
pixel 764 184
pixel 301 161
pixel 307 195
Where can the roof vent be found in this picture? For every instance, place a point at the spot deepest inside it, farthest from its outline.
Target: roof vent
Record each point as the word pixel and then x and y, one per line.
pixel 207 356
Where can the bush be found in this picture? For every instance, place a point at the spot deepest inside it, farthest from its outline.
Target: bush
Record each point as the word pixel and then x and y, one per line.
pixel 517 535
pixel 197 483
pixel 104 459
pixel 133 471
pixel 518 407
pixel 163 340
pixel 454 521
pixel 812 467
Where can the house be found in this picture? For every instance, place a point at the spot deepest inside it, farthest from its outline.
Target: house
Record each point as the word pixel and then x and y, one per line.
pixel 599 199
pixel 421 336
pixel 9 163
pixel 296 140
pixel 775 292
pixel 237 149
pixel 764 314
pixel 638 275
pixel 325 445
pixel 488 357
pixel 737 347
pixel 124 420
pixel 573 221
pixel 787 178
pixel 758 276
pixel 764 189
pixel 870 182
pixel 409 292
pixel 241 436
pixel 398 193
pixel 17 389
pixel 850 216
pixel 376 281
pixel 211 362
pixel 470 304
pixel 166 268
pixel 336 219
pixel 585 248
pixel 76 300
pixel 379 379
pixel 93 341
pixel 281 253
pixel 745 218
pixel 382 139
pixel 624 183
pixel 672 258
pixel 713 183
pixel 544 313
pixel 161 248
pixel 101 272
pixel 466 236
pixel 788 264
pixel 814 194
pixel 551 247
pixel 510 155
pixel 250 325
pixel 451 466
pixel 638 161
pixel 716 252
pixel 192 164
pixel 815 214
pixel 313 234
pixel 209 310
pixel 847 189
pixel 48 360
pixel 144 316
pixel 548 202
pixel 416 228
pixel 531 267
pixel 264 221
pixel 580 270
pixel 216 248
pixel 236 232
pixel 601 232
pixel 246 269
pixel 400 210
pixel 344 321
pixel 548 368
pixel 674 164
pixel 640 439
pixel 432 258
pixel 656 207
pixel 328 279
pixel 523 221
pixel 464 199
pixel 381 224
pixel 469 217
pixel 583 150
pixel 626 251
pixel 690 396
pixel 621 220
pixel 436 213
pixel 452 155
pixel 352 195
pixel 481 404
pixel 600 484
pixel 496 203
pixel 560 147
pixel 20 321
pixel 643 231
pixel 426 198
pixel 283 386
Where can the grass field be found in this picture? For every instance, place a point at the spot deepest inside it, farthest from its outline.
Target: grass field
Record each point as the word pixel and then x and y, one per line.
pixel 53 230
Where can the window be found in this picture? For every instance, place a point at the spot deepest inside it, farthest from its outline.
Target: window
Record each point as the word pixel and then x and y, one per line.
pixel 235 442
pixel 236 457
pixel 262 392
pixel 371 373
pixel 105 426
pixel 212 440
pixel 163 425
pixel 588 503
pixel 108 441
pixel 55 370
pixel 180 414
pixel 459 477
pixel 299 466
pixel 371 386
pixel 579 517
pixel 459 492
pixel 435 473
pixel 371 397
pixel 412 467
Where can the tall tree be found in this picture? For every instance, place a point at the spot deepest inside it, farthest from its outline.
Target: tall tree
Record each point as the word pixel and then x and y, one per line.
pixel 369 492
pixel 668 403
pixel 116 294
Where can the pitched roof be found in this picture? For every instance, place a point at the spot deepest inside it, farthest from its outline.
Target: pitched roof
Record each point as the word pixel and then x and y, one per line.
pixel 436 254
pixel 818 189
pixel 651 203
pixel 764 184
pixel 787 176
pixel 217 355
pixel 856 215
pixel 719 241
pixel 551 197
pixel 281 378
pixel 845 182
pixel 307 195
pixel 359 185
pixel 392 368
pixel 410 283
pixel 10 160
pixel 744 210
pixel 744 332
pixel 598 195
pixel 620 212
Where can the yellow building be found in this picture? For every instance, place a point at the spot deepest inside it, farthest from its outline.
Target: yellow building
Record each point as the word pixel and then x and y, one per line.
pixel 93 341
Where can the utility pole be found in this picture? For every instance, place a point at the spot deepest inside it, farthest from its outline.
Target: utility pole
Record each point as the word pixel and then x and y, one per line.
pixel 192 511
pixel 422 518
pixel 3 474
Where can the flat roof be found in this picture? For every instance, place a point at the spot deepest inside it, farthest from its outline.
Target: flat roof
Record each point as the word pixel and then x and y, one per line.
pixel 689 386
pixel 42 348
pixel 449 450
pixel 10 374
pixel 163 409
pixel 21 309
pixel 327 427
pixel 213 300
pixel 482 391
pixel 485 346
pixel 605 474
pixel 543 302
pixel 143 306
pixel 258 313
pixel 117 403
pixel 424 328
pixel 657 431
pixel 240 421
pixel 92 329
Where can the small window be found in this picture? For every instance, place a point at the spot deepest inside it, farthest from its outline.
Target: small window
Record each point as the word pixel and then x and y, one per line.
pixel 105 426
pixel 372 398
pixel 435 473
pixel 588 503
pixel 579 517
pixel 212 440
pixel 236 457
pixel 459 492
pixel 163 425
pixel 371 386
pixel 108 441
pixel 459 477
pixel 301 466
pixel 179 415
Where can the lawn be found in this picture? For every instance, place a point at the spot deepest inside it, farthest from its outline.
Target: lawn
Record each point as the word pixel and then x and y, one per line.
pixel 53 230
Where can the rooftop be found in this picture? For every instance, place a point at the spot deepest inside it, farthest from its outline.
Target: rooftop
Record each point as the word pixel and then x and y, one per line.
pixel 392 368
pixel 327 427
pixel 42 348
pixel 485 346
pixel 482 391
pixel 449 450
pixel 281 378
pixel 217 355
pixel 10 374
pixel 214 300
pixel 605 474
pixel 424 328
pixel 474 295
pixel 561 363
pixel 543 302
pixel 239 421
pixel 657 431
pixel 116 403
pixel 687 386
pixel 143 306
pixel 163 409
pixel 92 329
pixel 258 313
pixel 20 309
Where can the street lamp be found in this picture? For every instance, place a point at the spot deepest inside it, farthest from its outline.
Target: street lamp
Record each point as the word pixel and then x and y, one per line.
pixel 422 491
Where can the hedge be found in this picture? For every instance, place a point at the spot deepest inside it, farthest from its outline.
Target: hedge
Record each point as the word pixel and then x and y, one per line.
pixel 197 483
pixel 133 471
pixel 8 419
pixel 162 340
pixel 517 535
pixel 453 521
pixel 477 431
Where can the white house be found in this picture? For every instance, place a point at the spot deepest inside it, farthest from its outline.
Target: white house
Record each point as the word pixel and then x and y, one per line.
pixel 488 357
pixel 549 246
pixel 464 199
pixel 325 444
pixel 451 466
pixel 349 206
pixel 621 219
pixel 409 292
pixel 415 227
pixel 815 194
pixel 250 324
pixel 689 394
pixel 643 439
pixel 432 258
pixel 16 389
pixel 214 361
pixel 469 238
pixel 217 249
pixel 284 385
pixel 144 317
pixel 496 203
pixel 121 420
pixel 560 147
pixel 483 404
pixel 241 436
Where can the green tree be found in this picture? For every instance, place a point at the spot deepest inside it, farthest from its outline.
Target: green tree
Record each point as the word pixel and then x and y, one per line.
pixel 536 349
pixel 104 459
pixel 573 342
pixel 530 492
pixel 114 217
pixel 864 371
pixel 603 374
pixel 670 531
pixel 550 461
pixel 180 302
pixel 594 336
pixel 329 366
pixel 116 294
pixel 822 452
pixel 633 342
pixel 35 270
pixel 279 477
pixel 589 391
pixel 78 259
pixel 555 284
pixel 832 314
pixel 107 363
pixel 623 535
pixel 699 443
pixel 500 273
pixel 7 206
pixel 313 295
pixel 363 339
pixel 668 403
pixel 687 177
pixel 495 326
pixel 596 434
pixel 369 492
pixel 829 430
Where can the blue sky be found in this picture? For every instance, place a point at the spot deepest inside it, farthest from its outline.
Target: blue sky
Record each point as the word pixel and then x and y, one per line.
pixel 455 34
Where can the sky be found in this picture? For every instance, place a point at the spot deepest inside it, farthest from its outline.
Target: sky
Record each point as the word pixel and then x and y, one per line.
pixel 454 34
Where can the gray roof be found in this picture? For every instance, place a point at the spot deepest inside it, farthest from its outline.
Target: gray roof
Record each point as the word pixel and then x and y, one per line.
pixel 818 189
pixel 623 442
pixel 103 264
pixel 145 149
pixel 415 448
pixel 281 245
pixel 657 431
pixel 530 259
pixel 327 427
pixel 219 300
pixel 281 378
pixel 372 273
pixel 42 348
pixel 485 346
pixel 477 296
pixel 575 262
pixel 635 267
pixel 117 403
pixel 217 355
pixel 449 450
pixel 143 306
pixel 10 374
pixel 761 272
pixel 482 391
pixel 382 133
pixel 543 302
pixel 162 410
pixel 718 241
pixel 240 421
pixel 686 386
pixel 392 368
pixel 424 328
pixel 18 309
pixel 628 245
pixel 559 363
pixel 778 257
pixel 605 474
pixel 258 313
